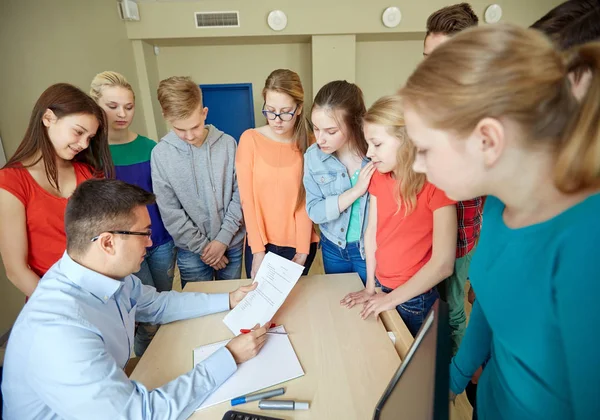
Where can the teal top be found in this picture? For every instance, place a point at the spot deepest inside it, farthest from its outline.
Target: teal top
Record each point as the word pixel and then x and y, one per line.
pixel 132 165
pixel 535 318
pixel 354 228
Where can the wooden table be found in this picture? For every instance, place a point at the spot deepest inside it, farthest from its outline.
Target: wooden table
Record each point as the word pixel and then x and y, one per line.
pixel 347 362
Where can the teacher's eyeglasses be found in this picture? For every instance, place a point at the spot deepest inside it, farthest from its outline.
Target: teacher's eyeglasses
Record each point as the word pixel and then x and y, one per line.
pixel 147 233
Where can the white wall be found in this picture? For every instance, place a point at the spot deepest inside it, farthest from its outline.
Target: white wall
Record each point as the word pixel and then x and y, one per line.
pixel 383 66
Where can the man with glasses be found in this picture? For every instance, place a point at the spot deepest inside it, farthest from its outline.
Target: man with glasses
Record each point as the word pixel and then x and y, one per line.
pixel 69 345
pixel 193 176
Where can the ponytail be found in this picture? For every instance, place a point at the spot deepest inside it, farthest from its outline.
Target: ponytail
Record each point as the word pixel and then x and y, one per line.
pixel 578 160
pixel 302 141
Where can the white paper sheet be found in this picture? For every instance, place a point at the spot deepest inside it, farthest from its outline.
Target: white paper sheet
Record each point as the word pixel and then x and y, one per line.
pixel 275 363
pixel 276 277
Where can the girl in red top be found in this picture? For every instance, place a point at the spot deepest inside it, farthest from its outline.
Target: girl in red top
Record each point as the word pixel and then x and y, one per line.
pixel 65 144
pixel 410 239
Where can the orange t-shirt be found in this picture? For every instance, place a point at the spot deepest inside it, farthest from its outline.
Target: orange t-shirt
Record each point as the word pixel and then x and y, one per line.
pixel 44 214
pixel 404 243
pixel 269 177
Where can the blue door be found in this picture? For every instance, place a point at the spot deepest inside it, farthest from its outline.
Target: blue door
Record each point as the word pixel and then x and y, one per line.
pixel 230 107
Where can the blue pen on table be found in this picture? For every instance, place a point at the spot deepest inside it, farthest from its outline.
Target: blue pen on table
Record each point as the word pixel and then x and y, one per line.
pixel 261 395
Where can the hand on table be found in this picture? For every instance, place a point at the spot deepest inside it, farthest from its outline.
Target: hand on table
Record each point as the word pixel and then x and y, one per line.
pixel 356 298
pixel 378 303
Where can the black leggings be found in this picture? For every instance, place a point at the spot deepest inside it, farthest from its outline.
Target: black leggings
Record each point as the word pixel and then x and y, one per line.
pixel 282 251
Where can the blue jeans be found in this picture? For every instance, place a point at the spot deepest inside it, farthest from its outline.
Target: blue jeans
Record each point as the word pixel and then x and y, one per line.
pixel 192 268
pixel 282 251
pixel 414 311
pixel 158 267
pixel 157 271
pixel 348 260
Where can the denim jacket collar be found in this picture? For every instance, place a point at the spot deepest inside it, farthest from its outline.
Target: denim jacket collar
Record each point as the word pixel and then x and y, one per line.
pixel 324 156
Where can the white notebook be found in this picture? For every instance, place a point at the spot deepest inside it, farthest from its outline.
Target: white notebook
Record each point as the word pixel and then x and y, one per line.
pixel 275 363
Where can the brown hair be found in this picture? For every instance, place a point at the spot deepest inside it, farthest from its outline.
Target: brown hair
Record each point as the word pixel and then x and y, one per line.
pixel 108 79
pixel 564 23
pixel 506 71
pixel 288 82
pixel 101 205
pixel 346 98
pixel 572 23
pixel 387 111
pixel 585 29
pixel 452 19
pixel 63 99
pixel 179 97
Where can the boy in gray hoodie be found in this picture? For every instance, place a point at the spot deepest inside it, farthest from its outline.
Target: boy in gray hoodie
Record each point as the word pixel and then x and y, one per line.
pixel 194 180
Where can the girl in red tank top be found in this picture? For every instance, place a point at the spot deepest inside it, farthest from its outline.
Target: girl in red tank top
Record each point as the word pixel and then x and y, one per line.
pixel 65 144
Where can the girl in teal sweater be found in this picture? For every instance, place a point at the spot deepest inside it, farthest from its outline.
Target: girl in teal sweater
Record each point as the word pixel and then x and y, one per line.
pixel 492 114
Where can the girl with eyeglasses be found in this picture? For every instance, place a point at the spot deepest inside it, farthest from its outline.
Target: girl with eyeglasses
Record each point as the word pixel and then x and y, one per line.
pixel 65 144
pixel 337 174
pixel 269 165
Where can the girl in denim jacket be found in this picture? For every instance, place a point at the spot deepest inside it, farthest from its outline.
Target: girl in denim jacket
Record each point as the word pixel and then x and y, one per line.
pixel 337 175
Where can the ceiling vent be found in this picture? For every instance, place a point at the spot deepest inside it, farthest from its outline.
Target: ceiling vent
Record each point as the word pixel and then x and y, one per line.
pixel 217 19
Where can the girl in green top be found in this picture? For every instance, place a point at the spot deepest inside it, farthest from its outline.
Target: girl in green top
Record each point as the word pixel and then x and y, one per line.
pixel 131 155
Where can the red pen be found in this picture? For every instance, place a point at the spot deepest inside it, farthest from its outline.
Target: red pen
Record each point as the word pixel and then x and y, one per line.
pixel 246 331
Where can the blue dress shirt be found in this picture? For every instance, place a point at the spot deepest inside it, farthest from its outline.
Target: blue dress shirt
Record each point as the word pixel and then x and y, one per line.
pixel 69 345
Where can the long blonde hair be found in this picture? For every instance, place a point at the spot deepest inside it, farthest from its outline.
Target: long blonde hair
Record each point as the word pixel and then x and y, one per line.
pixel 387 112
pixel 288 82
pixel 506 71
pixel 108 79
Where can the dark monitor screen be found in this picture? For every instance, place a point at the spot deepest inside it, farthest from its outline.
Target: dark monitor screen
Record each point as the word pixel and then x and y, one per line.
pixel 420 386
